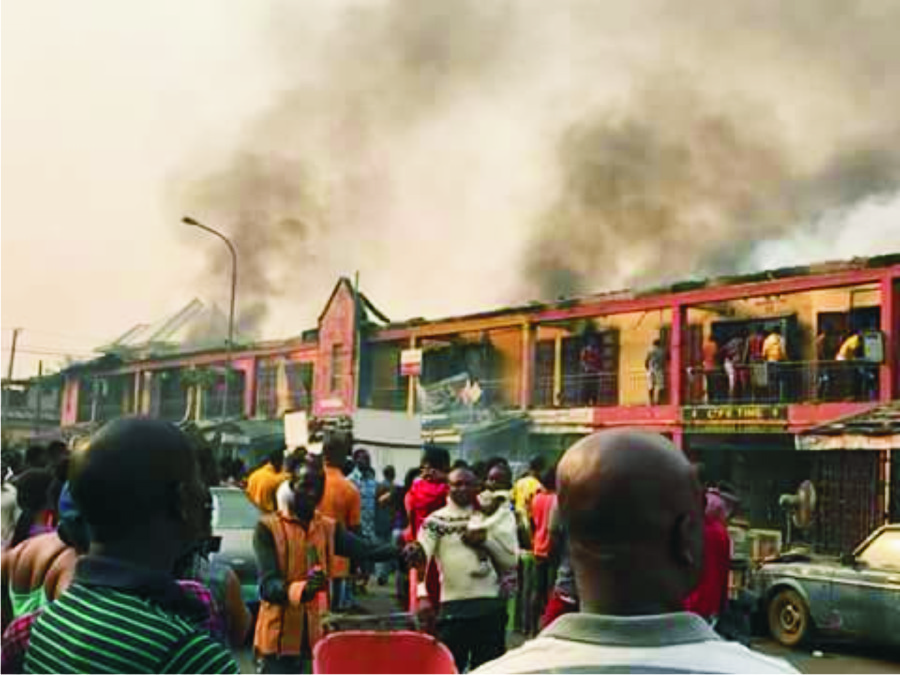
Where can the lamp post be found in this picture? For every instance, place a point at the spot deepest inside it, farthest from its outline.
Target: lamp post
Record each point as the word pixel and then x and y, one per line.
pixel 187 220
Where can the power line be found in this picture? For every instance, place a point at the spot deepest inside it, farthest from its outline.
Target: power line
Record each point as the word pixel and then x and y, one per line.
pixel 48 352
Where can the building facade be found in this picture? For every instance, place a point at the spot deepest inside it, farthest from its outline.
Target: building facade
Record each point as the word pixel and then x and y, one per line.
pixel 530 379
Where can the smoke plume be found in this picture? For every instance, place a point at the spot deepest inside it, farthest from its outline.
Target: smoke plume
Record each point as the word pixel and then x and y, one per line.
pixel 461 154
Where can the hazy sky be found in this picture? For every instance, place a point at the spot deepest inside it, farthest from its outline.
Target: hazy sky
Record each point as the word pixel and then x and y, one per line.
pixel 102 100
pixel 436 188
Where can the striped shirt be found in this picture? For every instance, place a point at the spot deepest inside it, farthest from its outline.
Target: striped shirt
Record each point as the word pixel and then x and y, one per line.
pixel 106 629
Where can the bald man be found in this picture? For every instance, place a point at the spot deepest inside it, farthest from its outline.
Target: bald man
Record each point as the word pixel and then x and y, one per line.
pixel 137 485
pixel 634 511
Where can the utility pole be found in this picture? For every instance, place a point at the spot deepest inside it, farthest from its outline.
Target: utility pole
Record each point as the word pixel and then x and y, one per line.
pixel 40 395
pixel 12 353
pixel 9 372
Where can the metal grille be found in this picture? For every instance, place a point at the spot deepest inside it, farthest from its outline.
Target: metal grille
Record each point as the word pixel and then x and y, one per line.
pixel 848 484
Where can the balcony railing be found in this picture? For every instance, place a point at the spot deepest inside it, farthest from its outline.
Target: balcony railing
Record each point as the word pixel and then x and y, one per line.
pixel 783 382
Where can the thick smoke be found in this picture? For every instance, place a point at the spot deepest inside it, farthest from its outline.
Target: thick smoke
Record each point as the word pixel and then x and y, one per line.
pixel 461 154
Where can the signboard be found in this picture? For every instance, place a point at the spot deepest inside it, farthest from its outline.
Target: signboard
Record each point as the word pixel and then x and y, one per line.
pixel 411 362
pixel 873 346
pixel 296 429
pixel 735 414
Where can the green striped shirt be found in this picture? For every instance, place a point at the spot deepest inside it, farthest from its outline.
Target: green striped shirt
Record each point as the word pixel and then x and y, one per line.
pixel 101 630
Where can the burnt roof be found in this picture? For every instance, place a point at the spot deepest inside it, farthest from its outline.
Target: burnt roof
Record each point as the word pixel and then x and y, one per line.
pixel 828 267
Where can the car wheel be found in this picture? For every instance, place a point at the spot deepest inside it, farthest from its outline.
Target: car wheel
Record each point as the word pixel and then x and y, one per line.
pixel 789 620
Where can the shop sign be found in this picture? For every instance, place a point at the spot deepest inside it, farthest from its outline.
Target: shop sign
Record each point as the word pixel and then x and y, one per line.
pixel 411 362
pixel 735 414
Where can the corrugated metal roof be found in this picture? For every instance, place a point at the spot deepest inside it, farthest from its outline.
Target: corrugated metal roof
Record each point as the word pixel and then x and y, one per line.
pixel 881 421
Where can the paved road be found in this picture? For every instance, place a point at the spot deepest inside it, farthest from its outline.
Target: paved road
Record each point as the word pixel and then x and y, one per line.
pixel 834 658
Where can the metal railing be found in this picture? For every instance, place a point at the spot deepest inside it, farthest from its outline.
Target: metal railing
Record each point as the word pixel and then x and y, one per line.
pixel 783 382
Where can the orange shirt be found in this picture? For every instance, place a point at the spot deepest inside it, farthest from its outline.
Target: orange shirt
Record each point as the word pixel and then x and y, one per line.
pixel 342 503
pixel 262 486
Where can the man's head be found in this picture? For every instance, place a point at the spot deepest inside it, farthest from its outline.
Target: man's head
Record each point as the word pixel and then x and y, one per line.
pixel 536 466
pixel 308 486
pixel 435 463
pixel 463 487
pixel 336 447
pixel 137 481
pixel 276 459
pixel 35 457
pixel 633 506
pixel 499 477
pixel 362 459
pixel 656 342
pixel 390 474
pixel 293 461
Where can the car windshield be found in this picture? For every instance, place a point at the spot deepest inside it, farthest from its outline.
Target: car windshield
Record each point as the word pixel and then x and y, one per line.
pixel 233 511
pixel 884 551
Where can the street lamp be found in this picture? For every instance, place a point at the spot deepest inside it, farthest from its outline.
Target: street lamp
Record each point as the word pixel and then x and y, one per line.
pixel 187 220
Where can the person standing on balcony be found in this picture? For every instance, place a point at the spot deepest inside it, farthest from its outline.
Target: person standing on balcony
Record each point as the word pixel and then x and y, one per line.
pixel 591 365
pixel 655 365
pixel 734 358
pixel 757 366
pixel 774 354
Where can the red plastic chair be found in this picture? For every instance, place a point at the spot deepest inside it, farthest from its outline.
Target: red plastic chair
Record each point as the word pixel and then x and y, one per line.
pixel 378 652
pixel 369 651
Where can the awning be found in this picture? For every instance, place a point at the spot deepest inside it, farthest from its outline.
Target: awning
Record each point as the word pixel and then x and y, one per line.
pixel 876 429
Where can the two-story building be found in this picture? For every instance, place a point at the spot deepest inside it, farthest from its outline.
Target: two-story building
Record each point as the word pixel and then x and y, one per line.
pixel 531 379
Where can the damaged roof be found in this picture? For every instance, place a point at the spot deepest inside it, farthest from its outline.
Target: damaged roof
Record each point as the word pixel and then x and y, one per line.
pixel 883 420
pixel 819 268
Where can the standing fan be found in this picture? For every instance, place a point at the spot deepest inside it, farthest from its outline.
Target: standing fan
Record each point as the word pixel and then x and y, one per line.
pixel 799 507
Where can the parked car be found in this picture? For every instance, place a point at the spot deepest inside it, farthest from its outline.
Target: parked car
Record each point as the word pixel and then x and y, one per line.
pixel 856 595
pixel 234 520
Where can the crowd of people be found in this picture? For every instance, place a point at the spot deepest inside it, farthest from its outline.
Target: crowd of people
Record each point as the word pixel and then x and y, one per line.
pixel 604 561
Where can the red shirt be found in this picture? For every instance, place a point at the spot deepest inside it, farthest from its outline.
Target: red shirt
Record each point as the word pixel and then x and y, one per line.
pixel 541 505
pixel 709 597
pixel 423 499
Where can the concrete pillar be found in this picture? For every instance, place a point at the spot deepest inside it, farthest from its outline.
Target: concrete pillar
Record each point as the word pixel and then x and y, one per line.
pixel 890 327
pixel 527 365
pixel 557 370
pixel 250 388
pixel 676 354
pixel 412 380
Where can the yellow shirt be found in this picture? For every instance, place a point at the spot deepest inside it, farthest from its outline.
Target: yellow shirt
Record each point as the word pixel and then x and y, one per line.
pixel 523 492
pixel 263 484
pixel 848 349
pixel 773 348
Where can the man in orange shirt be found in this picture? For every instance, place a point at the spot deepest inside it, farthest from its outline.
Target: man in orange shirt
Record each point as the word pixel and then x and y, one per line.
pixel 263 483
pixel 342 503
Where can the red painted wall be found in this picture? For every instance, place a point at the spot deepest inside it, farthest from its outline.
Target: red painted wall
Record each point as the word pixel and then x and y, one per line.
pixel 69 411
pixel 336 329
